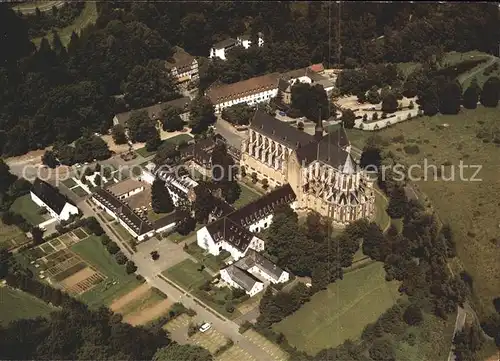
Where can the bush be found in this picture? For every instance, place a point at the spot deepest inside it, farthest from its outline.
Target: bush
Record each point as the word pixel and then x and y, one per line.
pixel 137 277
pixel 411 149
pixel 254 177
pixel 190 312
pixel 265 183
pixel 120 258
pixel 42 211
pixel 192 329
pixel 245 326
pixel 229 307
pixel 375 116
pixel 105 240
pixel 112 248
pixel 130 267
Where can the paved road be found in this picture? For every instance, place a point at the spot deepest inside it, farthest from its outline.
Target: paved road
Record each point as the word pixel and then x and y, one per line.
pixel 233 137
pixel 459 325
pixel 481 68
pixel 151 272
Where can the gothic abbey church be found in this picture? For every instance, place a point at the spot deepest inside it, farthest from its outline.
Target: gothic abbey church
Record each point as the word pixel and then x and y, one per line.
pixel 319 168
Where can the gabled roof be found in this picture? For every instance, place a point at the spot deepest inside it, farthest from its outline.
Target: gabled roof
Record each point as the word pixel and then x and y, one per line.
pixel 125 186
pixel 243 279
pixel 139 224
pixel 225 43
pixel 255 259
pixel 279 131
pixel 262 207
pixel 49 195
pixel 180 60
pixel 227 92
pixel 283 85
pixel 226 230
pixel 154 110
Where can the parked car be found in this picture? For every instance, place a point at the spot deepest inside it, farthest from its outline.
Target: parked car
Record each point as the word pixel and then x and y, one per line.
pixel 205 327
pixel 282 113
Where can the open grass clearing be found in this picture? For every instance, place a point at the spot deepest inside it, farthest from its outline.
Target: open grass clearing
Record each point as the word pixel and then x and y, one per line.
pixel 204 257
pixel 187 274
pixel 11 236
pixel 381 217
pixel 122 232
pixel 87 16
pixel 70 183
pixel 178 238
pixel 247 195
pixel 118 281
pixel 341 311
pixel 17 304
pixel 178 139
pixel 28 209
pixel 468 206
pixel 79 191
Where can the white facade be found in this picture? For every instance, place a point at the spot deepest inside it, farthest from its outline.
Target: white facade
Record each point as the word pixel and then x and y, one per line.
pixel 66 212
pixel 245 41
pixel 139 237
pixel 218 53
pixel 252 99
pixel 204 240
pixel 257 287
pixel 131 193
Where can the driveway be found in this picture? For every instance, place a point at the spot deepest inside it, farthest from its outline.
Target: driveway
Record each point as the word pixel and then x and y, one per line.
pixel 170 254
pixel 152 275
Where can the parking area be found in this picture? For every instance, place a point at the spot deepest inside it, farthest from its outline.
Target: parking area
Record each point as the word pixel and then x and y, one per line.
pixel 212 340
pixel 267 346
pixel 235 353
pixel 177 323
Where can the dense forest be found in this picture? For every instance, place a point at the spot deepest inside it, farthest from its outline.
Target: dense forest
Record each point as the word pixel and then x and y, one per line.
pixel 74 88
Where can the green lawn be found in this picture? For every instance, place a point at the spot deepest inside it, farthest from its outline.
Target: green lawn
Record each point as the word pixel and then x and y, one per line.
pixel 28 209
pixel 11 236
pixel 174 140
pixel 468 206
pixel 122 232
pixel 79 191
pixel 17 304
pixel 93 252
pixel 178 238
pixel 69 183
pixel 340 312
pixel 381 217
pixel 203 257
pixel 87 16
pixel 247 195
pixel 186 274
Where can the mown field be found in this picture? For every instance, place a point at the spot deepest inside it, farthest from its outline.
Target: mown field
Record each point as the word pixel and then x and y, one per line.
pixel 17 304
pixel 87 17
pixel 341 311
pixel 469 206
pixel 118 282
